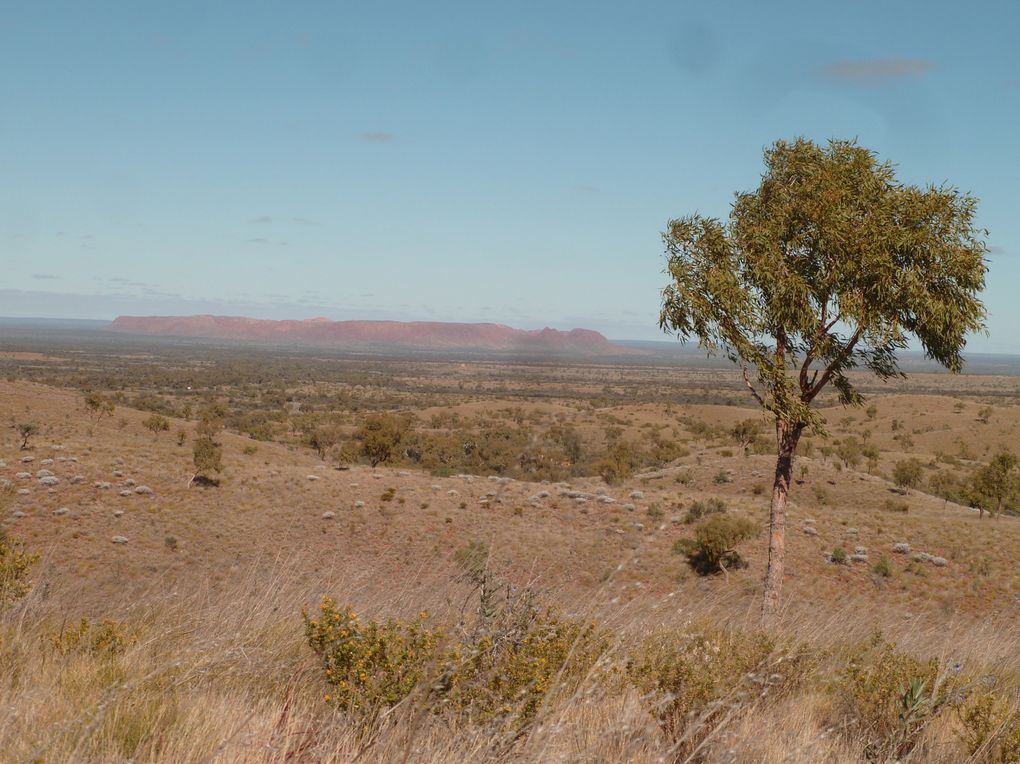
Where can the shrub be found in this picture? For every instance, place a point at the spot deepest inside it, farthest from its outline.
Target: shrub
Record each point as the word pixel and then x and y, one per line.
pixel 693 680
pixel 25 431
pixel 701 509
pixel 103 638
pixel 883 568
pixel 370 665
pixel 503 668
pixel 207 455
pixel 722 476
pixel 97 405
pixel 839 556
pixel 15 564
pixel 991 727
pixel 907 474
pixel 714 546
pixel 381 436
pixel 887 697
pixel 617 464
pixel 156 424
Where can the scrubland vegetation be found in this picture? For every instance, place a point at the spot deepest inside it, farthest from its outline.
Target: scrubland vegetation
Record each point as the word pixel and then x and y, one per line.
pixel 596 599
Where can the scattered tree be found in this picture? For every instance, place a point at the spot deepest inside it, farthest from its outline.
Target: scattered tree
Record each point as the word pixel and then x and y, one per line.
pixel 713 549
pixel 25 431
pixel 831 264
pixel 156 424
pixel 907 474
pixel 208 457
pixel 745 433
pixel 995 482
pixel 98 405
pixel 381 436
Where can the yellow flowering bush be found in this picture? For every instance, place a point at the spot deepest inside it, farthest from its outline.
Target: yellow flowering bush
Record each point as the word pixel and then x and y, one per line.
pixel 370 664
pixel 990 726
pixel 98 638
pixel 502 669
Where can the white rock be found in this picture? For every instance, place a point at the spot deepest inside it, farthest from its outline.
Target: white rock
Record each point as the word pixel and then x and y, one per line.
pixel 51 480
pixel 43 473
pixel 359 504
pixel 328 515
pixel 129 482
pixel 20 514
pixel 46 462
pixel 77 480
pixel 24 475
pixel 118 513
pixel 61 511
pixel 23 492
pixel 126 492
pixel 27 459
pixel 637 494
pixel 313 477
pixel 144 490
pixel 119 539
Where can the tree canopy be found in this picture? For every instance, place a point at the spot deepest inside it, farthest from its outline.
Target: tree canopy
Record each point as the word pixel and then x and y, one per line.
pixel 829 265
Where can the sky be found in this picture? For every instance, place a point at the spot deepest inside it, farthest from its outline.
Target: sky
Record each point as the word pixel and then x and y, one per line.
pixel 460 161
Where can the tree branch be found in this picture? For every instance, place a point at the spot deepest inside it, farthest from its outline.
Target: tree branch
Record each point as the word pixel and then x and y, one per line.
pixel 747 381
pixel 831 368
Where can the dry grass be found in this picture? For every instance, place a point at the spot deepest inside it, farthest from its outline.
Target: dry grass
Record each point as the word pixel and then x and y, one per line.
pixel 220 671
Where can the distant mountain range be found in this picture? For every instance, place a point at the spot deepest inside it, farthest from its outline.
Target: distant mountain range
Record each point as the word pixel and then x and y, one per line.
pixel 413 335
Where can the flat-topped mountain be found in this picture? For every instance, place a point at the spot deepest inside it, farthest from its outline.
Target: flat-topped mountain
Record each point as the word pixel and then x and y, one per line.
pixel 434 335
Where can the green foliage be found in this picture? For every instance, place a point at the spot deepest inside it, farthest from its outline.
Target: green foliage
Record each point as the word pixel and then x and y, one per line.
pixel 745 433
pixel 372 664
pixel 380 436
pixel 995 482
pixel 839 556
pixel 990 726
pixel 618 463
pixel 908 474
pixel 502 669
pixel 883 568
pixel 97 405
pixel 850 452
pixel 713 549
pixel 156 423
pixel 830 261
pixel 887 697
pixel 15 564
pixel 207 455
pixel 700 509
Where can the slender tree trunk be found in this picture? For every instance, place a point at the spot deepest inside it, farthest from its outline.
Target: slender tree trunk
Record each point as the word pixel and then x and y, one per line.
pixel 787 435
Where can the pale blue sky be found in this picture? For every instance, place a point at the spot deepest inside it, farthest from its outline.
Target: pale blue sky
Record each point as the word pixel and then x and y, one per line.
pixel 510 162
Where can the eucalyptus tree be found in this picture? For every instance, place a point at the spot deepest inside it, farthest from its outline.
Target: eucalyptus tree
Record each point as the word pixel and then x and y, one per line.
pixel 830 265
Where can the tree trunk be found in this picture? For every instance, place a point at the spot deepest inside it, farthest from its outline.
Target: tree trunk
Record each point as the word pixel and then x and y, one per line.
pixel 787 436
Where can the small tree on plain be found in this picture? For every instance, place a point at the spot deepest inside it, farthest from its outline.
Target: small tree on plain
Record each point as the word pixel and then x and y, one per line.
pixel 98 405
pixel 830 264
pixel 208 458
pixel 25 431
pixel 156 424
